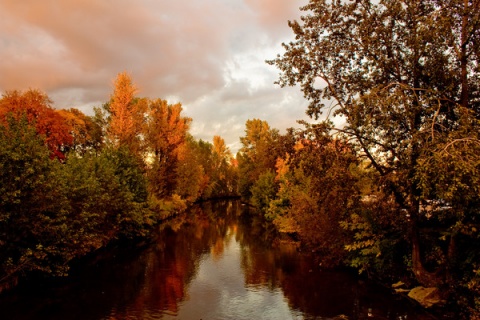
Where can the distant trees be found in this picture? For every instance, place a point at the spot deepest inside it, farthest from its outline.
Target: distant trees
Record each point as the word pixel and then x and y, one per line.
pixel 120 172
pixel 219 170
pixel 165 134
pixel 306 186
pixel 258 153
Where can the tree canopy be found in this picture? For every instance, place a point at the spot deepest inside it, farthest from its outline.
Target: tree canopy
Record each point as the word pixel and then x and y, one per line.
pixel 401 73
pixel 121 172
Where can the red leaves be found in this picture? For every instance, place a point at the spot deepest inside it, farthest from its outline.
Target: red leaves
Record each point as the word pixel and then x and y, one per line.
pixel 35 106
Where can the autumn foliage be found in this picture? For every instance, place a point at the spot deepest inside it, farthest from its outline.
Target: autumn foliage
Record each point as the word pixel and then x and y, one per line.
pixel 36 107
pixel 121 172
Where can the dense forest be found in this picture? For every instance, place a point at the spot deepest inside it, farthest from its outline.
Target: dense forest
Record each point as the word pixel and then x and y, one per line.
pixel 393 191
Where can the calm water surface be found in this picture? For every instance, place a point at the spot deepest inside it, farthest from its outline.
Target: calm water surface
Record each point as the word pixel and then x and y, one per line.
pixel 215 262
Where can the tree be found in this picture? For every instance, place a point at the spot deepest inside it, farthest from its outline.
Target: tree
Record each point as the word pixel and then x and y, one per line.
pixel 399 73
pixel 126 114
pixel 257 153
pixel 264 190
pixel 108 198
pixel 190 172
pixel 51 213
pixel 33 204
pixel 36 106
pixel 165 132
pixel 203 153
pixel 83 129
pixel 317 191
pixel 223 173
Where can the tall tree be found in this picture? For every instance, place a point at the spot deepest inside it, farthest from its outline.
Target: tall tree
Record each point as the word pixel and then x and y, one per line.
pixel 399 72
pixel 257 153
pixel 165 133
pixel 223 171
pixel 190 174
pixel 33 205
pixel 126 114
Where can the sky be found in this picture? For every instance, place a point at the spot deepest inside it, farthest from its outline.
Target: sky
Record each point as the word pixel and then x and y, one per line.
pixel 209 55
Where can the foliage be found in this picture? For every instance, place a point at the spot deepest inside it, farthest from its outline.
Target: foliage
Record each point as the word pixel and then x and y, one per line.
pixel 52 212
pixel 165 134
pixel 126 115
pixel 85 131
pixel 190 173
pixel 35 106
pixel 404 77
pixel 223 173
pixel 32 206
pixel 262 146
pixel 317 191
pixel 218 176
pixel 166 208
pixel 120 173
pixel 264 190
pixel 256 153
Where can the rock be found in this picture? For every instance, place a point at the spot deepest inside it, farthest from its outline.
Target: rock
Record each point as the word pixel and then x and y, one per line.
pixel 398 284
pixel 427 297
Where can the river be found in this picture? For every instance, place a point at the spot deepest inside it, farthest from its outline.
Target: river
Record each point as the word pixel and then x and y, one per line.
pixel 214 262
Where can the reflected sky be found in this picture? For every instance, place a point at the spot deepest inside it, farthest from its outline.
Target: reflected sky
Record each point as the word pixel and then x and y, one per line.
pixel 219 291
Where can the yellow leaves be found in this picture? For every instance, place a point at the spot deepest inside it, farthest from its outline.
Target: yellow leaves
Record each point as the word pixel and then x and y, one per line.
pixel 298 146
pixel 360 245
pixel 220 148
pixel 282 166
pixel 165 127
pixel 77 123
pixel 286 224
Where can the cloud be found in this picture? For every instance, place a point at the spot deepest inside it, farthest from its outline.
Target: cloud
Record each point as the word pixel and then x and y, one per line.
pixel 207 54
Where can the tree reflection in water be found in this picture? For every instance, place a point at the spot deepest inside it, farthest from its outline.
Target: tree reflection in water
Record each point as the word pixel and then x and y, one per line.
pixel 217 261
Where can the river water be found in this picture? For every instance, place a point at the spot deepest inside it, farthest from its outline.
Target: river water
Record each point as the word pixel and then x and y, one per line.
pixel 215 262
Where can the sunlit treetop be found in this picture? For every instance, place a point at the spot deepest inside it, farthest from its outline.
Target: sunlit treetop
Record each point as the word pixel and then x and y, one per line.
pixel 36 107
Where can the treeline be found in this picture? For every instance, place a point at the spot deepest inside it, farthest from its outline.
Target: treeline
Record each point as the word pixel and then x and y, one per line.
pixel 393 188
pixel 72 183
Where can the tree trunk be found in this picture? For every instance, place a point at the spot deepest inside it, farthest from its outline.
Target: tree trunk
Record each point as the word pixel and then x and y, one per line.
pixel 423 276
pixel 451 258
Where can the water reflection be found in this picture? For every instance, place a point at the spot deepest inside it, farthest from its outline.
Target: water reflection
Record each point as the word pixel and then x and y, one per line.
pixel 216 262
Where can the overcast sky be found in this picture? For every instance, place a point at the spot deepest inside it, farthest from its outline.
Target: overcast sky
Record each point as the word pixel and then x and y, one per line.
pixel 209 55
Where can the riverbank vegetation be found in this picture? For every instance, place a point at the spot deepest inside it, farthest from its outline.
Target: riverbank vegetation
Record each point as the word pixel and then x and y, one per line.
pixel 388 183
pixel 71 183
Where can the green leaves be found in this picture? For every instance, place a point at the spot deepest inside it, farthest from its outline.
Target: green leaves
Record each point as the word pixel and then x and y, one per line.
pixel 51 213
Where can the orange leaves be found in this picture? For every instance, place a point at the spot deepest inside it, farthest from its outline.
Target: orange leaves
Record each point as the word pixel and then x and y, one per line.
pixel 165 127
pixel 81 127
pixel 127 114
pixel 35 106
pixel 220 148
